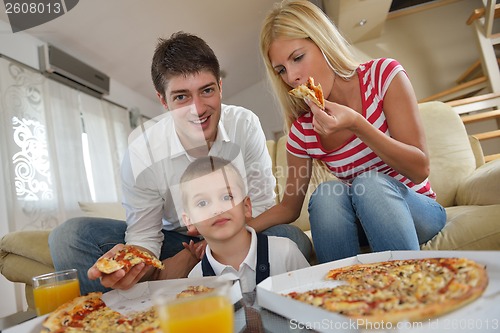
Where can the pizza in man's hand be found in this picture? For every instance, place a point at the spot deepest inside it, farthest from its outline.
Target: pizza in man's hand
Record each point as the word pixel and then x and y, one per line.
pixel 311 91
pixel 398 290
pixel 125 259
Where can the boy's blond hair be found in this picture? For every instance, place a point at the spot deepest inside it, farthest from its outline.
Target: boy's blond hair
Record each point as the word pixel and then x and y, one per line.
pixel 206 165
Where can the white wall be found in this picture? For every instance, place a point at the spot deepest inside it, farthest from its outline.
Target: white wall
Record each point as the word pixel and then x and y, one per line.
pixel 260 99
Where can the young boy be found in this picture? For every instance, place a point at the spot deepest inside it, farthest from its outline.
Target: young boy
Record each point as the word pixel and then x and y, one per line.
pixel 216 205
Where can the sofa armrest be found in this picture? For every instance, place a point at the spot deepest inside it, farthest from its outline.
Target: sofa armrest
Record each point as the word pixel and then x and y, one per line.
pixel 37 250
pixel 482 187
pixel 24 254
pixel 475 144
pixel 21 269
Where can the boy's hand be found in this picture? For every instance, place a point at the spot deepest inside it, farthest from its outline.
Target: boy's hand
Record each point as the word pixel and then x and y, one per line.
pixel 197 250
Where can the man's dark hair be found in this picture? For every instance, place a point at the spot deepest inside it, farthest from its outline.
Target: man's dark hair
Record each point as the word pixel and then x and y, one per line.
pixel 181 54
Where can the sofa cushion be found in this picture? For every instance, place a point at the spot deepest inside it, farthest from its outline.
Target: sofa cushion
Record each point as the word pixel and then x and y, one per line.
pixel 110 210
pixel 468 228
pixel 481 187
pixel 451 157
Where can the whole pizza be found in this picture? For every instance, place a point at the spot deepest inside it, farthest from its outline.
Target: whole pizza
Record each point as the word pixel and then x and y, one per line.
pixel 397 290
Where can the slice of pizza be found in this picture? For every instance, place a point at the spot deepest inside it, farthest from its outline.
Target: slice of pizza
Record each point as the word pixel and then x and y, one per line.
pixel 311 91
pixel 125 259
pixel 71 315
pixel 194 290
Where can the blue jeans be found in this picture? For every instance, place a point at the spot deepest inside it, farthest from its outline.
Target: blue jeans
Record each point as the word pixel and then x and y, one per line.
pixel 79 242
pixel 376 210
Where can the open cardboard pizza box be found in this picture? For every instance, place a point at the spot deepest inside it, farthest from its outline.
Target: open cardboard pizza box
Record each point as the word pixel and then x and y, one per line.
pixel 482 314
pixel 139 298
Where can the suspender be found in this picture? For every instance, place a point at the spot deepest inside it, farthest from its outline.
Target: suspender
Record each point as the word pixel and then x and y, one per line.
pixel 262 268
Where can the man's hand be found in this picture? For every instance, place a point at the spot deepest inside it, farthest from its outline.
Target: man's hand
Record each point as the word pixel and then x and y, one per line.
pixel 119 279
pixel 177 266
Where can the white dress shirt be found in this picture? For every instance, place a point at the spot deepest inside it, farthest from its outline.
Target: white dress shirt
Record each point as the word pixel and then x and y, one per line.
pixel 156 159
pixel 284 256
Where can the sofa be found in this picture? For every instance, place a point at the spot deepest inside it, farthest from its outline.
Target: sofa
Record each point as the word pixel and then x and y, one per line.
pixel 466 186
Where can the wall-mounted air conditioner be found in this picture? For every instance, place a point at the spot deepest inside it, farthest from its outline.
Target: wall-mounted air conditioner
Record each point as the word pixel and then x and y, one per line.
pixel 64 67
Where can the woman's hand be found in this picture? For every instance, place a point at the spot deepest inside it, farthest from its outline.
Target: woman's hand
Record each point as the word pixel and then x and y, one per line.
pixel 334 118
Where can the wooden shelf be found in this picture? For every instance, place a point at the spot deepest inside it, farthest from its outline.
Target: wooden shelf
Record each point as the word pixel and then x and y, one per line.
pixel 458 91
pixel 480 108
pixel 484 102
pixel 487 135
pixel 491 157
pixel 467 119
pixel 479 12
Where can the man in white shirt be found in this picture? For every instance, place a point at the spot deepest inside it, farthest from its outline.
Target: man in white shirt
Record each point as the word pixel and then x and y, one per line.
pixel 186 75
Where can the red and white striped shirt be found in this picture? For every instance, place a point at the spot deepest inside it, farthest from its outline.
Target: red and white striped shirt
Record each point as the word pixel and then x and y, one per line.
pixel 354 157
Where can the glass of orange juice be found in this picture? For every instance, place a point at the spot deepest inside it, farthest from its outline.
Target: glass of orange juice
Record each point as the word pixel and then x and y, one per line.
pixel 210 312
pixel 54 289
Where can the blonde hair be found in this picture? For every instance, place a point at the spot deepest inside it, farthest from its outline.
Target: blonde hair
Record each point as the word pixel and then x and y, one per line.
pixel 294 19
pixel 207 165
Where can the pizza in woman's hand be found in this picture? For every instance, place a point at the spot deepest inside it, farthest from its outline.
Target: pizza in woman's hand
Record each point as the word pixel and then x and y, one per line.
pixel 125 259
pixel 310 91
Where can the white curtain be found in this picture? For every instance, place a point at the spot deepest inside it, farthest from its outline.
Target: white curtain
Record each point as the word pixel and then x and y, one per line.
pixel 107 127
pixel 41 148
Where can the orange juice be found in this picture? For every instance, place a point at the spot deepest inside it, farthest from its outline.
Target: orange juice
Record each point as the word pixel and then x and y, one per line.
pixel 49 297
pixel 211 314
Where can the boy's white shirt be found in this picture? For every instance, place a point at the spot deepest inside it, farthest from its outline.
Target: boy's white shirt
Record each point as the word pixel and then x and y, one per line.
pixel 284 256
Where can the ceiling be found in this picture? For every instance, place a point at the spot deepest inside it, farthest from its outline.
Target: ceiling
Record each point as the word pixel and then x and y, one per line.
pixel 118 37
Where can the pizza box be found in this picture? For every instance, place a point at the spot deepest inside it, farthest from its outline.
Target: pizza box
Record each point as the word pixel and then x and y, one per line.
pixel 481 315
pixel 139 298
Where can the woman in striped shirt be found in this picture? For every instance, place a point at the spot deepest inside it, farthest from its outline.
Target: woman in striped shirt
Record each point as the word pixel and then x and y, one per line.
pixel 369 136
